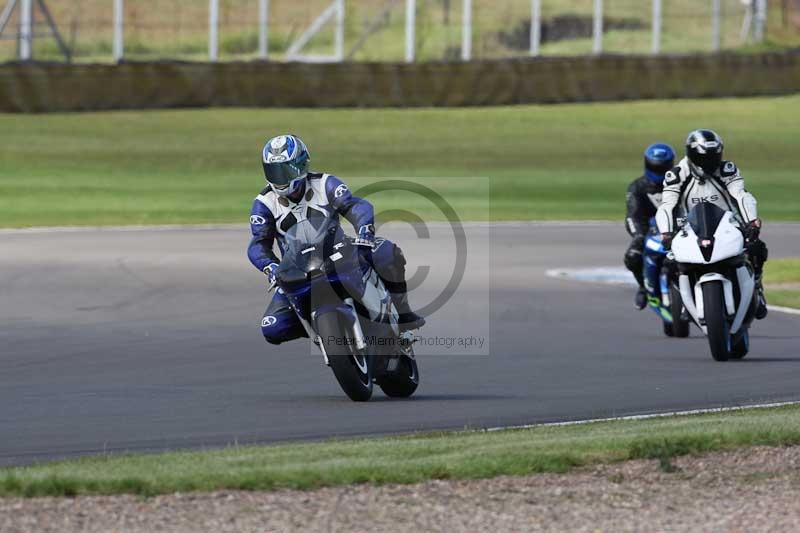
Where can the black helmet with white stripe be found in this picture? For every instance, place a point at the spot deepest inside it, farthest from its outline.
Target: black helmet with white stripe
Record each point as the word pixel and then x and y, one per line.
pixel 704 150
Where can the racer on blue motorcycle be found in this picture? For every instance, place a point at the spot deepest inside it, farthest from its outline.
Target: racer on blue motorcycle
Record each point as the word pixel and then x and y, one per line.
pixel 643 198
pixel 293 194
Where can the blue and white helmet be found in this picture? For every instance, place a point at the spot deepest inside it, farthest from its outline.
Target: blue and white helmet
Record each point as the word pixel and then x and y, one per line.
pixel 285 159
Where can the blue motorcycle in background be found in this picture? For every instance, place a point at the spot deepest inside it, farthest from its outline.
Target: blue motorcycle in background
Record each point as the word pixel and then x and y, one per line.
pixel 661 284
pixel 345 308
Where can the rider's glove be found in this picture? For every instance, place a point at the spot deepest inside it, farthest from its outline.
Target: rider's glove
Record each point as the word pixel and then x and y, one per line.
pixel 666 240
pixel 752 231
pixel 366 236
pixel 271 270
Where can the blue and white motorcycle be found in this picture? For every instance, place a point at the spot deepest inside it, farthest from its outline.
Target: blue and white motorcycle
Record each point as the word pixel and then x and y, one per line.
pixel 345 308
pixel 661 284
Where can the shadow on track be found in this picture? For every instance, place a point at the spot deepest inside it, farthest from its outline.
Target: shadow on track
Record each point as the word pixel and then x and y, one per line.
pixel 757 359
pixel 380 398
pixel 445 398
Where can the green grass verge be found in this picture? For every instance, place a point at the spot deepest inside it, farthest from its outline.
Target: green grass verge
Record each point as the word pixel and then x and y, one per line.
pixel 782 282
pixel 409 459
pixel 543 162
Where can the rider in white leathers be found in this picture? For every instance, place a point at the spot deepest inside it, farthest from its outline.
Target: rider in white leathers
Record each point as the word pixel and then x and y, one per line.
pixel 703 176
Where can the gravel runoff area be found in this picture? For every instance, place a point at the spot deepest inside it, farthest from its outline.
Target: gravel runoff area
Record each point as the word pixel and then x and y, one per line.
pixel 755 489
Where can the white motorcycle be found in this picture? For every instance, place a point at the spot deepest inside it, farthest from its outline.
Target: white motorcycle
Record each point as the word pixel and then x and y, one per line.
pixel 716 279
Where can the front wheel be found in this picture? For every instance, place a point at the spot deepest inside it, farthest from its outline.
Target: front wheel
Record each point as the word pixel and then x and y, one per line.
pixel 717 327
pixel 351 368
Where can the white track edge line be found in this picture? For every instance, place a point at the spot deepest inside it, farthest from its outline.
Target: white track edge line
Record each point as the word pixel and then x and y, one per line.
pixel 558 273
pixel 781 309
pixel 671 414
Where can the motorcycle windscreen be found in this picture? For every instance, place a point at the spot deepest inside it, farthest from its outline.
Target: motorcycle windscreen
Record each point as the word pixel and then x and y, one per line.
pixel 306 244
pixel 704 218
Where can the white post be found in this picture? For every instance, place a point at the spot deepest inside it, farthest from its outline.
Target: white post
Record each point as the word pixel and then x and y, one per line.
pixel 597 29
pixel 716 25
pixel 411 13
pixel 263 29
pixel 657 21
pixel 119 30
pixel 536 26
pixel 26 30
pixel 340 31
pixel 466 30
pixel 213 30
pixel 761 20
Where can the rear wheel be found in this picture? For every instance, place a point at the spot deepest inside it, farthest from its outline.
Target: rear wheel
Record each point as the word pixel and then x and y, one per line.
pixel 717 327
pixel 403 380
pixel 680 327
pixel 741 345
pixel 350 366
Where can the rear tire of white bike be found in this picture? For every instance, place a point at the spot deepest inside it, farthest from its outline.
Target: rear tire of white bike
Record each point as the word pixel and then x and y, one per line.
pixel 741 345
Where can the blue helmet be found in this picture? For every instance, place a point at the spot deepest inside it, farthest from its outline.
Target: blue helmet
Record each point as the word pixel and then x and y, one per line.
pixel 285 159
pixel 658 159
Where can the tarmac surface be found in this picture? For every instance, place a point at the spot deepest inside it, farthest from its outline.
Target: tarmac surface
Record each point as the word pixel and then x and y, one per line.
pixel 149 339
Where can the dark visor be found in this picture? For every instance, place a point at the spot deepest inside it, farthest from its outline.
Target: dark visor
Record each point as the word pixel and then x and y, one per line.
pixel 709 162
pixel 281 174
pixel 661 167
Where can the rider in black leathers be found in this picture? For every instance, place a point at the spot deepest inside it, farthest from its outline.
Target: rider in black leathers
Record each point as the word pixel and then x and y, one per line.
pixel 643 199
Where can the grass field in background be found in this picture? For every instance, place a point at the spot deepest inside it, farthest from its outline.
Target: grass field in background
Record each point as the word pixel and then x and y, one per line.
pixel 782 282
pixel 542 162
pixel 408 459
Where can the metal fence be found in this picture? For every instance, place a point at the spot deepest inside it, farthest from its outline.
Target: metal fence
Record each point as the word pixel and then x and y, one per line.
pixel 371 30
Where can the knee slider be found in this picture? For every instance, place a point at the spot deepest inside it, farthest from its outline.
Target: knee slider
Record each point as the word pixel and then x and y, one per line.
pixel 273 329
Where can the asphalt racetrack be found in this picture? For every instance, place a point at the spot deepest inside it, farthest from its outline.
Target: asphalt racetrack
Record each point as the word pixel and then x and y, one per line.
pixel 149 339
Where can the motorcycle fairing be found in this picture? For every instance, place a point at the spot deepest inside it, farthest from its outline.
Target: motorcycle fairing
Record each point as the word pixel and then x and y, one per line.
pixel 709 236
pixel 655 282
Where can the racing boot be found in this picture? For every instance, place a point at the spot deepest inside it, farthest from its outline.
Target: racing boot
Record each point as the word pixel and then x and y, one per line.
pixel 761 301
pixel 633 262
pixel 757 253
pixel 640 300
pixel 407 319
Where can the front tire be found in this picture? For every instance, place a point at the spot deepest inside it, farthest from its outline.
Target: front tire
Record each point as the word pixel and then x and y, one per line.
pixel 717 327
pixel 351 368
